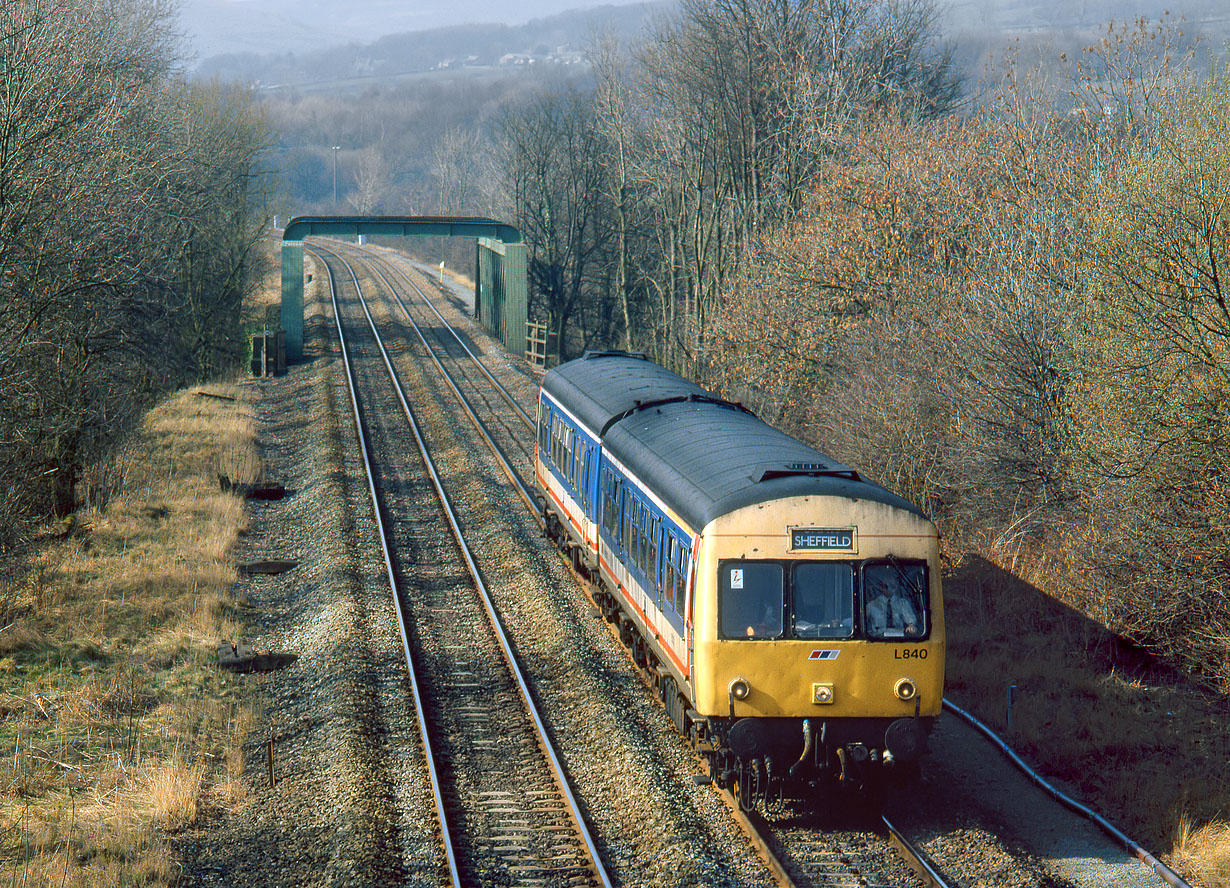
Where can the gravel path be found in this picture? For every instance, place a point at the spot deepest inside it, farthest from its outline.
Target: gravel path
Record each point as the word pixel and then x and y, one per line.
pixel 970 788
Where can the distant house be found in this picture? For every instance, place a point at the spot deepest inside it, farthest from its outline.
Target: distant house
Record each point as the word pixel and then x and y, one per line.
pixel 517 58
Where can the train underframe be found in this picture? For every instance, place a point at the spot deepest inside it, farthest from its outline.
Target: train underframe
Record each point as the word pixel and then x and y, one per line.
pixel 764 761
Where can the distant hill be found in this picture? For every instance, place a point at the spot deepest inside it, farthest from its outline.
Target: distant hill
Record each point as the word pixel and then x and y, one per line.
pixel 558 40
pixel 328 44
pixel 279 27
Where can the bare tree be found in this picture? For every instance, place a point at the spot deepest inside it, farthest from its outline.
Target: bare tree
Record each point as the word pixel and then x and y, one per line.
pixel 101 170
pixel 557 185
pixel 372 182
pixel 1150 403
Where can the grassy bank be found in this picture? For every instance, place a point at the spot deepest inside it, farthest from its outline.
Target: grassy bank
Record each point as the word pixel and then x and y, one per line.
pixel 115 726
pixel 1140 740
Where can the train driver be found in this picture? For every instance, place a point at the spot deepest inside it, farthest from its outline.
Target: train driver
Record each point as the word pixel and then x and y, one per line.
pixel 889 612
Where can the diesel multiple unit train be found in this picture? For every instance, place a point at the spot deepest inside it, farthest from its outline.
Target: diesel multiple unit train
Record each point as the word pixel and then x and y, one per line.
pixel 787 610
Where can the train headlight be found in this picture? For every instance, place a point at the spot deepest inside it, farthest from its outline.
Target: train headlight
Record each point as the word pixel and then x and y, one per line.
pixel 822 694
pixel 906 689
pixel 739 689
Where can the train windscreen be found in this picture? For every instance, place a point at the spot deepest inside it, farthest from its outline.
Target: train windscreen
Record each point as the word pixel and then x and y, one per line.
pixel 895 599
pixel 752 599
pixel 823 600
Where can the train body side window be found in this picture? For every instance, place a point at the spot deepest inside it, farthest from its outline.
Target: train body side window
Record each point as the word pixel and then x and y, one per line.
pixel 585 471
pixel 823 600
pixel 569 474
pixel 655 553
pixel 613 519
pixel 544 430
pixel 625 535
pixel 751 599
pixel 634 530
pixel 642 541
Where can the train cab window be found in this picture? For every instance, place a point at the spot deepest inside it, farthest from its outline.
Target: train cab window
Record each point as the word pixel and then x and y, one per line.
pixel 751 599
pixel 823 600
pixel 895 599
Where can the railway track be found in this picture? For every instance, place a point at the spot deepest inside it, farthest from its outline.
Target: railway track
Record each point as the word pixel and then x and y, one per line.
pixel 800 851
pixel 507 814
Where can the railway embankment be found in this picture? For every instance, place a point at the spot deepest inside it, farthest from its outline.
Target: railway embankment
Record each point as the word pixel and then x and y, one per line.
pixel 117 730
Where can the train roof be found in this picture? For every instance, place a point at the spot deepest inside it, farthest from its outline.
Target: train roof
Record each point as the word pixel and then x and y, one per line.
pixel 703 456
pixel 603 387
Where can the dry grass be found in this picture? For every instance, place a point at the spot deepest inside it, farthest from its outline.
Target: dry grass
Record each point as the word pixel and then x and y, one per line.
pixel 115 727
pixel 1204 851
pixel 1138 739
pixel 173 791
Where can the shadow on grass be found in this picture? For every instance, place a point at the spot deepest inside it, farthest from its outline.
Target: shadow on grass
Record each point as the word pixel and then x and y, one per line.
pixel 1128 732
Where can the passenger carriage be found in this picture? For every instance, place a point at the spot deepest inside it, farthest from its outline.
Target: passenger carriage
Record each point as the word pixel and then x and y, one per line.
pixel 748 573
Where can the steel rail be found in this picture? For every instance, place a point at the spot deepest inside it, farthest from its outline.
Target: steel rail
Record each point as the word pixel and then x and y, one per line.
pixel 526 418
pixel 1165 873
pixel 919 861
pixel 484 594
pixel 523 489
pixel 914 856
pixel 420 712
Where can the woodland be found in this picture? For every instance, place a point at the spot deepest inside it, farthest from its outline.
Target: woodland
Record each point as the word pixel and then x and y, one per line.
pixel 1002 295
pixel 130 203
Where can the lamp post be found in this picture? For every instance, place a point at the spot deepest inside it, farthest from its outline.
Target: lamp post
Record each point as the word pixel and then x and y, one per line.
pixel 336 148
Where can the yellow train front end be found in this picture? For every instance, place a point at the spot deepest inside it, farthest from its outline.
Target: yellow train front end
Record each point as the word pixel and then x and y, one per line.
pixel 818 641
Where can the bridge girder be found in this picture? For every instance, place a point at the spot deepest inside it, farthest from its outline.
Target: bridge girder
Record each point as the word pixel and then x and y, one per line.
pixel 503 246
